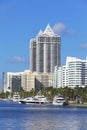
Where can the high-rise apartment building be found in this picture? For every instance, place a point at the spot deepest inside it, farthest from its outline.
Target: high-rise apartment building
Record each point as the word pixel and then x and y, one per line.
pixel 45 51
pixel 73 74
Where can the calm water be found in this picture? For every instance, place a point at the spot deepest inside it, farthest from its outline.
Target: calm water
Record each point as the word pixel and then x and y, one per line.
pixel 15 116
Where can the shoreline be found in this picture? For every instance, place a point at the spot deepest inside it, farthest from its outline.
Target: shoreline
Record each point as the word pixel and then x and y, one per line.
pixel 78 104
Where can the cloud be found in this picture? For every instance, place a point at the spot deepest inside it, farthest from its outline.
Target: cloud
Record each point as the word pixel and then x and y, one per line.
pixel 83 46
pixel 61 28
pixel 18 59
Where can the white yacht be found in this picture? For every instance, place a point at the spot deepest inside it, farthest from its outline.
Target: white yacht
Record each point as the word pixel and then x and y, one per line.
pixel 28 100
pixel 38 99
pixel 41 99
pixel 59 100
pixel 16 97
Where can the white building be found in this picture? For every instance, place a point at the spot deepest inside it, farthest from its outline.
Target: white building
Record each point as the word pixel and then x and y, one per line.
pixel 73 74
pixel 60 76
pixel 11 81
pixel 27 80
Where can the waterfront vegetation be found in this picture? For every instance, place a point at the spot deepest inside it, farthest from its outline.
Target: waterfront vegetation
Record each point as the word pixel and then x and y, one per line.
pixel 75 95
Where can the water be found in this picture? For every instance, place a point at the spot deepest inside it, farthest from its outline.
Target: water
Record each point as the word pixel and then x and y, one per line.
pixel 14 116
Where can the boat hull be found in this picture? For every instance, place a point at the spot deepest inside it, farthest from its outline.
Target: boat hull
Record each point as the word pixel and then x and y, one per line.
pixel 60 103
pixel 32 102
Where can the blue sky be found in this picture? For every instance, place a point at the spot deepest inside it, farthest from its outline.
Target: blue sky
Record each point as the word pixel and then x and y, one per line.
pixel 21 20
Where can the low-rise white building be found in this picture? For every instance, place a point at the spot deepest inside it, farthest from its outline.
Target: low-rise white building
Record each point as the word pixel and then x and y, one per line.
pixel 27 80
pixel 12 81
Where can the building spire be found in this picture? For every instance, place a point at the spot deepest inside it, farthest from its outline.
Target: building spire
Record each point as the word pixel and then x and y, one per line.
pixel 40 33
pixel 48 30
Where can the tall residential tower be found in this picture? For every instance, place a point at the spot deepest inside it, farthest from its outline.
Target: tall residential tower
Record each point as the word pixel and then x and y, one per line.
pixel 45 51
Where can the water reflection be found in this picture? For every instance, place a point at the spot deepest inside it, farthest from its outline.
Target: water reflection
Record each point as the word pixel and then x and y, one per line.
pixel 53 119
pixel 33 117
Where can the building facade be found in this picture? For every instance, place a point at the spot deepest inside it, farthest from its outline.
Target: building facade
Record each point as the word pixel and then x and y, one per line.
pixel 28 80
pixel 36 80
pixel 12 81
pixel 73 74
pixel 45 51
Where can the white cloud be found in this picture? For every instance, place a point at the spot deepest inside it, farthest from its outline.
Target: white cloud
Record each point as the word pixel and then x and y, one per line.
pixel 61 28
pixel 83 46
pixel 18 59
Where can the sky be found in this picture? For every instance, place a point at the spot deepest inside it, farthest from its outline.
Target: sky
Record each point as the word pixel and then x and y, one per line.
pixel 21 20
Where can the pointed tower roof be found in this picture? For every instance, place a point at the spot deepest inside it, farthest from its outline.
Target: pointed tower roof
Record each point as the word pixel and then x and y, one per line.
pixel 48 30
pixel 40 33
